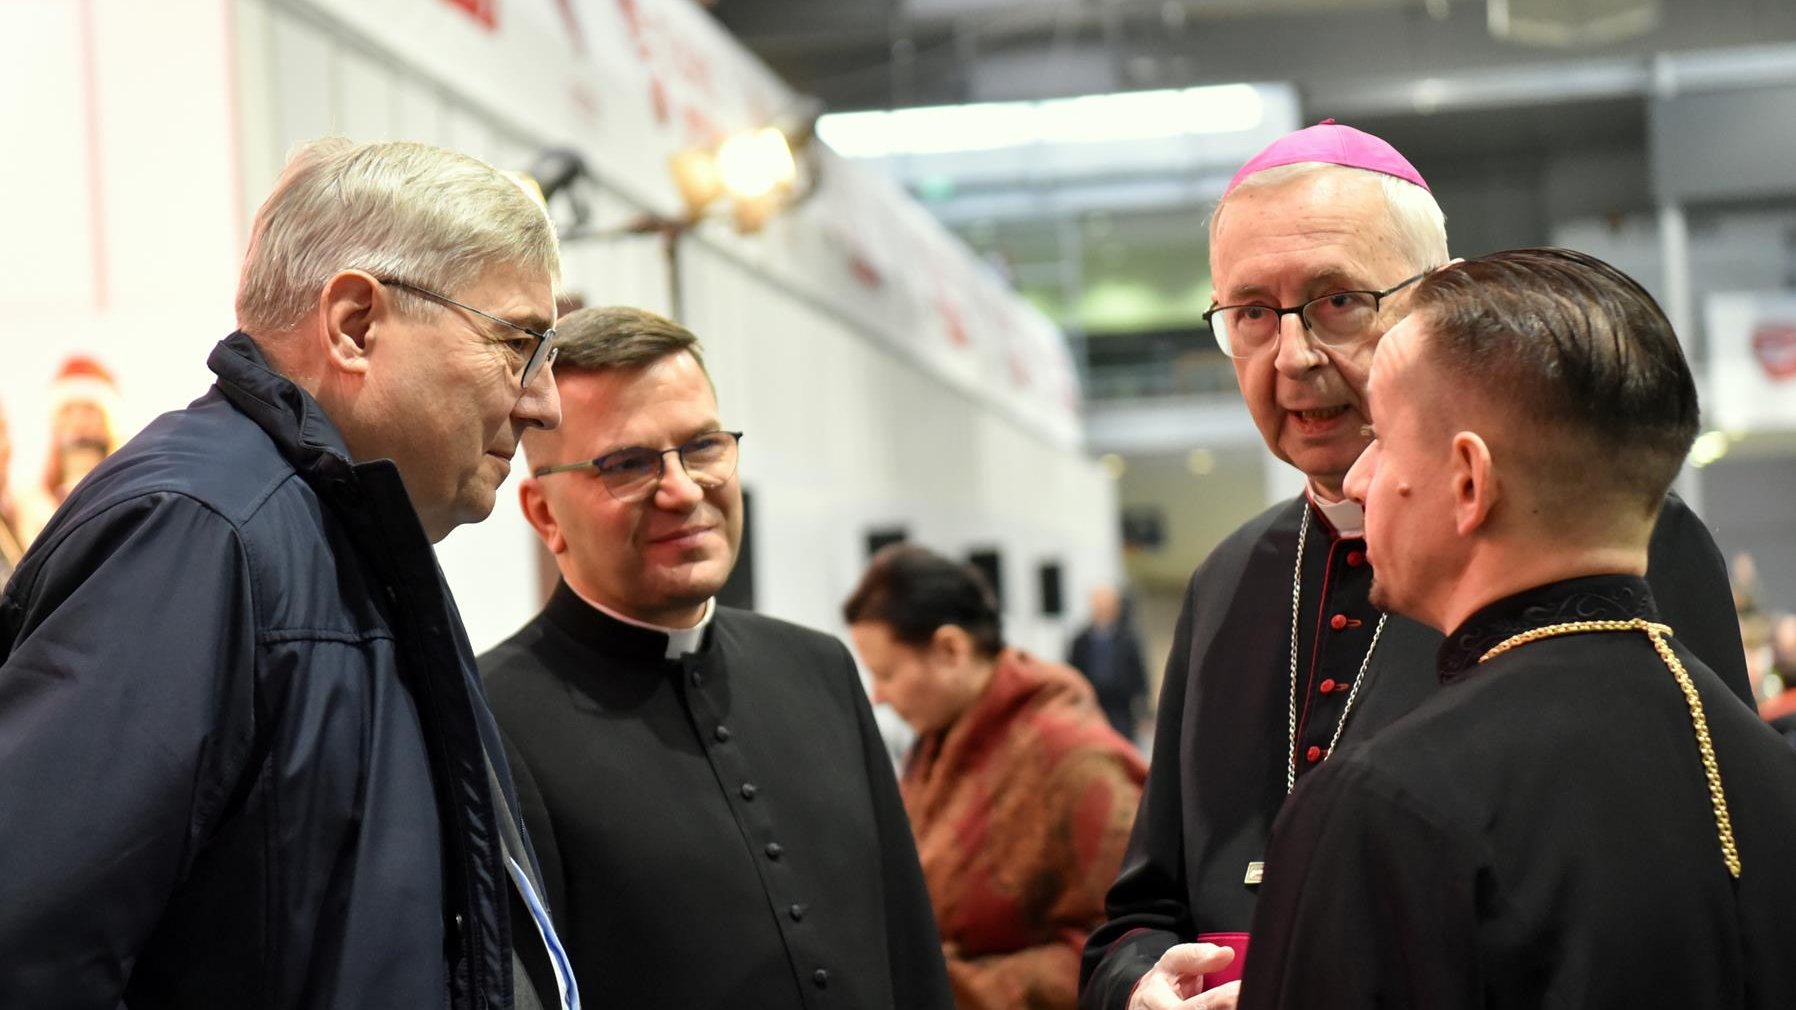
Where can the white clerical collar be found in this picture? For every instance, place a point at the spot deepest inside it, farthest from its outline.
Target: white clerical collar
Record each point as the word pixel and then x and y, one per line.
pixel 1345 515
pixel 680 641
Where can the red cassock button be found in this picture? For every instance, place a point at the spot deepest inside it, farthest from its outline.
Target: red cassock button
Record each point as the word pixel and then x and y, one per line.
pixel 1328 686
pixel 1356 558
pixel 1338 621
pixel 1314 754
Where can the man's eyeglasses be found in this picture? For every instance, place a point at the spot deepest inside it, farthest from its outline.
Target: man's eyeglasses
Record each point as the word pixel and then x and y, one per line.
pixel 633 474
pixel 1336 319
pixel 542 352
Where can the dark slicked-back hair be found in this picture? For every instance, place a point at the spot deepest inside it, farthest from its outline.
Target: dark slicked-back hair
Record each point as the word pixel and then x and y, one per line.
pixel 1581 355
pixel 603 338
pixel 914 591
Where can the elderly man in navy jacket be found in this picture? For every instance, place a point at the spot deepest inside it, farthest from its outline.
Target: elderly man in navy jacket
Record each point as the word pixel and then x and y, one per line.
pixel 244 758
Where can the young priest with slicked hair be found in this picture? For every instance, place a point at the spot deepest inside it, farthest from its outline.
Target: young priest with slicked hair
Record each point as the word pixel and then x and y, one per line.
pixel 1583 815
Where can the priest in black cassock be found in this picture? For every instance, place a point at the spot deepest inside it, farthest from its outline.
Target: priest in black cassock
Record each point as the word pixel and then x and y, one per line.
pixel 1582 816
pixel 1279 657
pixel 716 817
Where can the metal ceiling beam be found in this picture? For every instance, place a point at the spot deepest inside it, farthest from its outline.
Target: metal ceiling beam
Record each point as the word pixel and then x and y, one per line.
pixel 843 50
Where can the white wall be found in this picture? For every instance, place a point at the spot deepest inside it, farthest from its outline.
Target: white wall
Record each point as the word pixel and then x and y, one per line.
pixel 845 436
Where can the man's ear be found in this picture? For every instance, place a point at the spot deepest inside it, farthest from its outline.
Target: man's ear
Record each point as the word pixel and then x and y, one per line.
pixel 351 306
pixel 541 517
pixel 1475 490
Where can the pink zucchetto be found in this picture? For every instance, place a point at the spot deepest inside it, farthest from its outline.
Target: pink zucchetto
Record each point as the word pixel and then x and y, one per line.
pixel 1334 144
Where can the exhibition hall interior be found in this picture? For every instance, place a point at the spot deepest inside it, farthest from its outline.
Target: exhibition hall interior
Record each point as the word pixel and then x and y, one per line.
pixel 953 274
pixel 908 504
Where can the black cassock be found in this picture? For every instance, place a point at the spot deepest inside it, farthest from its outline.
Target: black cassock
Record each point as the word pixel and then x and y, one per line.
pixel 1539 834
pixel 1221 738
pixel 721 830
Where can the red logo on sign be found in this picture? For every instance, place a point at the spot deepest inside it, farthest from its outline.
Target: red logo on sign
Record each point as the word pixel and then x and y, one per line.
pixel 484 11
pixel 1774 344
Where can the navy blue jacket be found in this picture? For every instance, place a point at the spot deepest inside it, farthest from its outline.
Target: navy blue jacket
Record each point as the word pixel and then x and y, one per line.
pixel 244 756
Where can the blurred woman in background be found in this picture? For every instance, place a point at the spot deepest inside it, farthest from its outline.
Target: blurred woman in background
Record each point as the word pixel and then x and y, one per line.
pixel 83 407
pixel 1020 794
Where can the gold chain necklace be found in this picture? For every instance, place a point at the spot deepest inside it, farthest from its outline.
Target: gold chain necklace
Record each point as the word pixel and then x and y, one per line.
pixel 1303 531
pixel 1724 825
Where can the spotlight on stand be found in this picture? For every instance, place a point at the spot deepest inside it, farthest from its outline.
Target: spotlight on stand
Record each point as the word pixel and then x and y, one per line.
pixel 757 173
pixel 760 171
pixel 753 164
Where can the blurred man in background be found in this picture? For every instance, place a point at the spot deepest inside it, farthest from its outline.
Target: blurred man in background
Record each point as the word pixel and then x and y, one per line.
pixel 246 757
pixel 1019 792
pixel 1108 653
pixel 1279 657
pixel 1583 814
pixel 720 823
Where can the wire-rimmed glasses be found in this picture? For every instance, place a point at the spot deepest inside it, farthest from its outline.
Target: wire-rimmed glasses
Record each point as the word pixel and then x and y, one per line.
pixel 633 474
pixel 1337 319
pixel 542 353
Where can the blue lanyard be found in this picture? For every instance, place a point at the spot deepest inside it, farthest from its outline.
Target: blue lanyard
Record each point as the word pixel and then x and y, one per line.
pixel 564 974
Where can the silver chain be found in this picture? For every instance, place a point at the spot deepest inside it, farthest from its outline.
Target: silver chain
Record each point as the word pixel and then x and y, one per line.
pixel 1303 534
pixel 1303 531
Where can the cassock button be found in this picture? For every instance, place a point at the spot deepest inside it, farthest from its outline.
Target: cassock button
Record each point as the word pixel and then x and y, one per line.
pixel 821 977
pixel 1356 558
pixel 1338 621
pixel 748 790
pixel 722 732
pixel 796 912
pixel 1314 754
pixel 773 850
pixel 697 678
pixel 1328 686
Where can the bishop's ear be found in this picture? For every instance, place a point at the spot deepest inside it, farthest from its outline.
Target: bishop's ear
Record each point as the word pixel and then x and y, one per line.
pixel 1475 489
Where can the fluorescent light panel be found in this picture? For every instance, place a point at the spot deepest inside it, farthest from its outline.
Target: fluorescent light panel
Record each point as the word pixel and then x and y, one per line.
pixel 991 126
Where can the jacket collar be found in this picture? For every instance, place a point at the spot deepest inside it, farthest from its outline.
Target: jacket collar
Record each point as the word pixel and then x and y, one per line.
pixel 1591 598
pixel 288 414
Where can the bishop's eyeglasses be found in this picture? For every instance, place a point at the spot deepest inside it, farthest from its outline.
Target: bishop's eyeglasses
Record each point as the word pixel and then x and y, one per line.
pixel 1337 319
pixel 541 353
pixel 633 474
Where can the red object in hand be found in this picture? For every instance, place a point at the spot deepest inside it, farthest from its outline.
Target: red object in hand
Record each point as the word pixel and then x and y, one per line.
pixel 1232 971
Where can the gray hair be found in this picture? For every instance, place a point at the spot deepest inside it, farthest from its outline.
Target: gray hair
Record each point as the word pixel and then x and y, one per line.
pixel 1418 227
pixel 398 210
